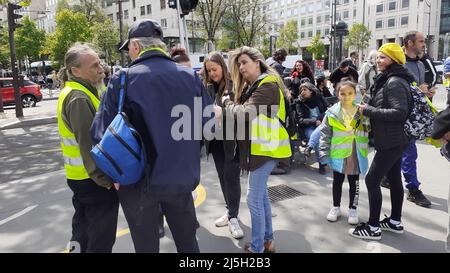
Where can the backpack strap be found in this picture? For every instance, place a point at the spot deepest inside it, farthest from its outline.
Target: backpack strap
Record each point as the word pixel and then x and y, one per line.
pixel 122 78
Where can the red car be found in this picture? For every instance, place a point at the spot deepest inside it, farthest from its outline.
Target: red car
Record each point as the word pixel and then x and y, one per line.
pixel 30 92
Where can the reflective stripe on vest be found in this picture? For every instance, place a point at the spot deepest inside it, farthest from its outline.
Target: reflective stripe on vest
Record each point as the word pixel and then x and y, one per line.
pixel 342 140
pixel 73 162
pixel 268 137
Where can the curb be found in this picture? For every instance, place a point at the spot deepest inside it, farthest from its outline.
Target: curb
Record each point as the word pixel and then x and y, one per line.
pixel 29 123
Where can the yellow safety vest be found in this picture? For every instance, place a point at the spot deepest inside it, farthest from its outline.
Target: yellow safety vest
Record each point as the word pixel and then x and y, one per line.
pixel 268 136
pixel 342 140
pixel 73 161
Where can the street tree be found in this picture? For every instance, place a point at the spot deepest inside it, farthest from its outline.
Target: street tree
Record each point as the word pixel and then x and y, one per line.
pixel 211 13
pixel 289 37
pixel 71 27
pixel 317 48
pixel 105 39
pixel 29 41
pixel 5 58
pixel 244 21
pixel 358 37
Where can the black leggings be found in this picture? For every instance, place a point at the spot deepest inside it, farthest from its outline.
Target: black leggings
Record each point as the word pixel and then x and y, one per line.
pixel 385 163
pixel 338 180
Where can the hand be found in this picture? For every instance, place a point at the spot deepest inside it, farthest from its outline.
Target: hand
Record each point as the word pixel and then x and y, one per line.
pixel 116 186
pixel 431 92
pixel 424 87
pixel 218 111
pixel 318 122
pixel 361 107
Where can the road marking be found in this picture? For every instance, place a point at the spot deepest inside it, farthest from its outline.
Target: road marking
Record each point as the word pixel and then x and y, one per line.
pixel 199 197
pixel 17 215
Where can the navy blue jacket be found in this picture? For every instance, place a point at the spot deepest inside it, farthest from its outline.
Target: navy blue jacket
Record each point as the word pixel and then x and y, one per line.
pixel 155 85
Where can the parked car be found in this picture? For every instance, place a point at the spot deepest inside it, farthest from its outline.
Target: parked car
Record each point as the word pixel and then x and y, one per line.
pixel 30 92
pixel 440 71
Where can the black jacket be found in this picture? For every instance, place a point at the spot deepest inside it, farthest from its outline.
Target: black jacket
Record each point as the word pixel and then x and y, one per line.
pixel 302 109
pixel 389 107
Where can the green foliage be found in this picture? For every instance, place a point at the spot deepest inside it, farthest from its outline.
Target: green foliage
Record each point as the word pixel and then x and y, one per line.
pixel 105 39
pixel 71 27
pixel 288 37
pixel 264 48
pixel 317 48
pixel 29 40
pixel 5 58
pixel 358 37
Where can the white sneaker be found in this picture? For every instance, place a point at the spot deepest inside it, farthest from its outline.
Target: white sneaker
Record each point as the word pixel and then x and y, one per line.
pixel 334 213
pixel 353 218
pixel 235 229
pixel 222 221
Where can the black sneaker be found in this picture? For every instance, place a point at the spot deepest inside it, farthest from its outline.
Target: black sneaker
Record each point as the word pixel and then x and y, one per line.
pixel 416 196
pixel 322 169
pixel 363 231
pixel 385 183
pixel 386 224
pixel 308 151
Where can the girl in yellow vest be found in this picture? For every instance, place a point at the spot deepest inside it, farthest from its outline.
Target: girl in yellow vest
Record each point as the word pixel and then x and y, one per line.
pixel 345 149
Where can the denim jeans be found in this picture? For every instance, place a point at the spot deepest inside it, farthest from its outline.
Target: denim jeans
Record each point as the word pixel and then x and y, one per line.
pixel 313 135
pixel 259 204
pixel 409 166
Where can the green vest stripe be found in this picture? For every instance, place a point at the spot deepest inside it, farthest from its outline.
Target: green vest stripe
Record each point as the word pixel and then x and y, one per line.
pixel 342 140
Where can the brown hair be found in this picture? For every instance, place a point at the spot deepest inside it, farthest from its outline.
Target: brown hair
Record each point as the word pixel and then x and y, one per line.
pixel 217 58
pixel 344 82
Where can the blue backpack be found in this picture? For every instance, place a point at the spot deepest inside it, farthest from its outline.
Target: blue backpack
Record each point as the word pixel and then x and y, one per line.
pixel 120 154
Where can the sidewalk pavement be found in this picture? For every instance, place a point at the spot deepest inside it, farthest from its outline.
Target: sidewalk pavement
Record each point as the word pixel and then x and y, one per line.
pixel 33 116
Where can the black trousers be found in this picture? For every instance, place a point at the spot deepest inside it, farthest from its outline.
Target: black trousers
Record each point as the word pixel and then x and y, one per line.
pixel 385 163
pixel 229 178
pixel 143 213
pixel 94 223
pixel 338 180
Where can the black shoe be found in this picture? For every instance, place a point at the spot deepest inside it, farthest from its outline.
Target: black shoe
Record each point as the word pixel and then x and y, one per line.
pixel 307 151
pixel 322 169
pixel 161 231
pixel 278 170
pixel 385 183
pixel 363 231
pixel 416 196
pixel 385 224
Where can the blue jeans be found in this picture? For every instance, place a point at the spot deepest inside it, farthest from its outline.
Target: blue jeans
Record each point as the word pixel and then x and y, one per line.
pixel 313 134
pixel 409 166
pixel 259 204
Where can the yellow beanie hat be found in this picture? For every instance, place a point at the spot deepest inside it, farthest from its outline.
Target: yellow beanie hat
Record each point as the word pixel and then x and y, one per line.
pixel 394 51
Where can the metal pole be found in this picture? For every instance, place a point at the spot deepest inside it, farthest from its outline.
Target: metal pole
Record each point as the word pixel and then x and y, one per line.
pixel 12 48
pixel 122 54
pixel 193 40
pixel 180 24
pixel 186 36
pixel 334 34
pixel 429 23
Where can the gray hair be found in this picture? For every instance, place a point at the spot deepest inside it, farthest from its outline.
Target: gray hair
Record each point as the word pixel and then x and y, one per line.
pixel 72 59
pixel 149 42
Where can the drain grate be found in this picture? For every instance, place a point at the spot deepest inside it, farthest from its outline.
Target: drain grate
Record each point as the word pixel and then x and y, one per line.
pixel 282 192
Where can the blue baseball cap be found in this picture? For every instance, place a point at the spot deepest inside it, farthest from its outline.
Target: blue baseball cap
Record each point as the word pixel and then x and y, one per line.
pixel 143 28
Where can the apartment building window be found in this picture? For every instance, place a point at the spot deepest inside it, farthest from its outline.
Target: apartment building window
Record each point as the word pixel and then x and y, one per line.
pixel 310 34
pixel 346 14
pixel 319 19
pixel 164 23
pixel 302 35
pixel 405 4
pixel 327 4
pixel 354 13
pixel 327 31
pixel 345 2
pixel 163 6
pixel 318 32
pixel 391 22
pixel 310 21
pixel 379 24
pixel 134 19
pixel 134 4
pixel 302 22
pixel 149 9
pixel 327 18
pixel 392 5
pixel 117 16
pixel 142 10
pixel 404 21
pixel 111 16
pixel 125 14
pixel 380 8
pixel 108 4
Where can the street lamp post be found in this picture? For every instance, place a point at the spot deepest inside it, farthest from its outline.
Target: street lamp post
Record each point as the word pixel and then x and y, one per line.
pixel 429 24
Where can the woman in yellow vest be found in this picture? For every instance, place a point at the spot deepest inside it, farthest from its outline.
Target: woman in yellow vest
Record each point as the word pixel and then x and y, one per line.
pixel 258 109
pixel 345 149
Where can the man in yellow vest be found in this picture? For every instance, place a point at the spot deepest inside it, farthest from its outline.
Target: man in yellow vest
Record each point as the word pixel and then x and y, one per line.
pixel 94 196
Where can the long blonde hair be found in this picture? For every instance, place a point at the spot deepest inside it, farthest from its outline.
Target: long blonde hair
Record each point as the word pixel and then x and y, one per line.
pixel 239 84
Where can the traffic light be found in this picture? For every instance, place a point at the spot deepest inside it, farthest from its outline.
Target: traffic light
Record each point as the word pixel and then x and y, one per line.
pixel 187 6
pixel 12 16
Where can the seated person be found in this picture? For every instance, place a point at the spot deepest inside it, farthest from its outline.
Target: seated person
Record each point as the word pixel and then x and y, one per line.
pixel 322 86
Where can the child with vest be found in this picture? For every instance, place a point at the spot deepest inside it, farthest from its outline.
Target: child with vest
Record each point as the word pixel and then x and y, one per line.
pixel 345 149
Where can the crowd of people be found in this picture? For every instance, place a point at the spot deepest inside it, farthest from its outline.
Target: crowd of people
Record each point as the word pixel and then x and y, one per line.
pixel 251 106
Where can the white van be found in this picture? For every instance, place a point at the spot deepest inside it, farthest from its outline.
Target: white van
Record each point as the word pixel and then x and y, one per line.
pixel 198 58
